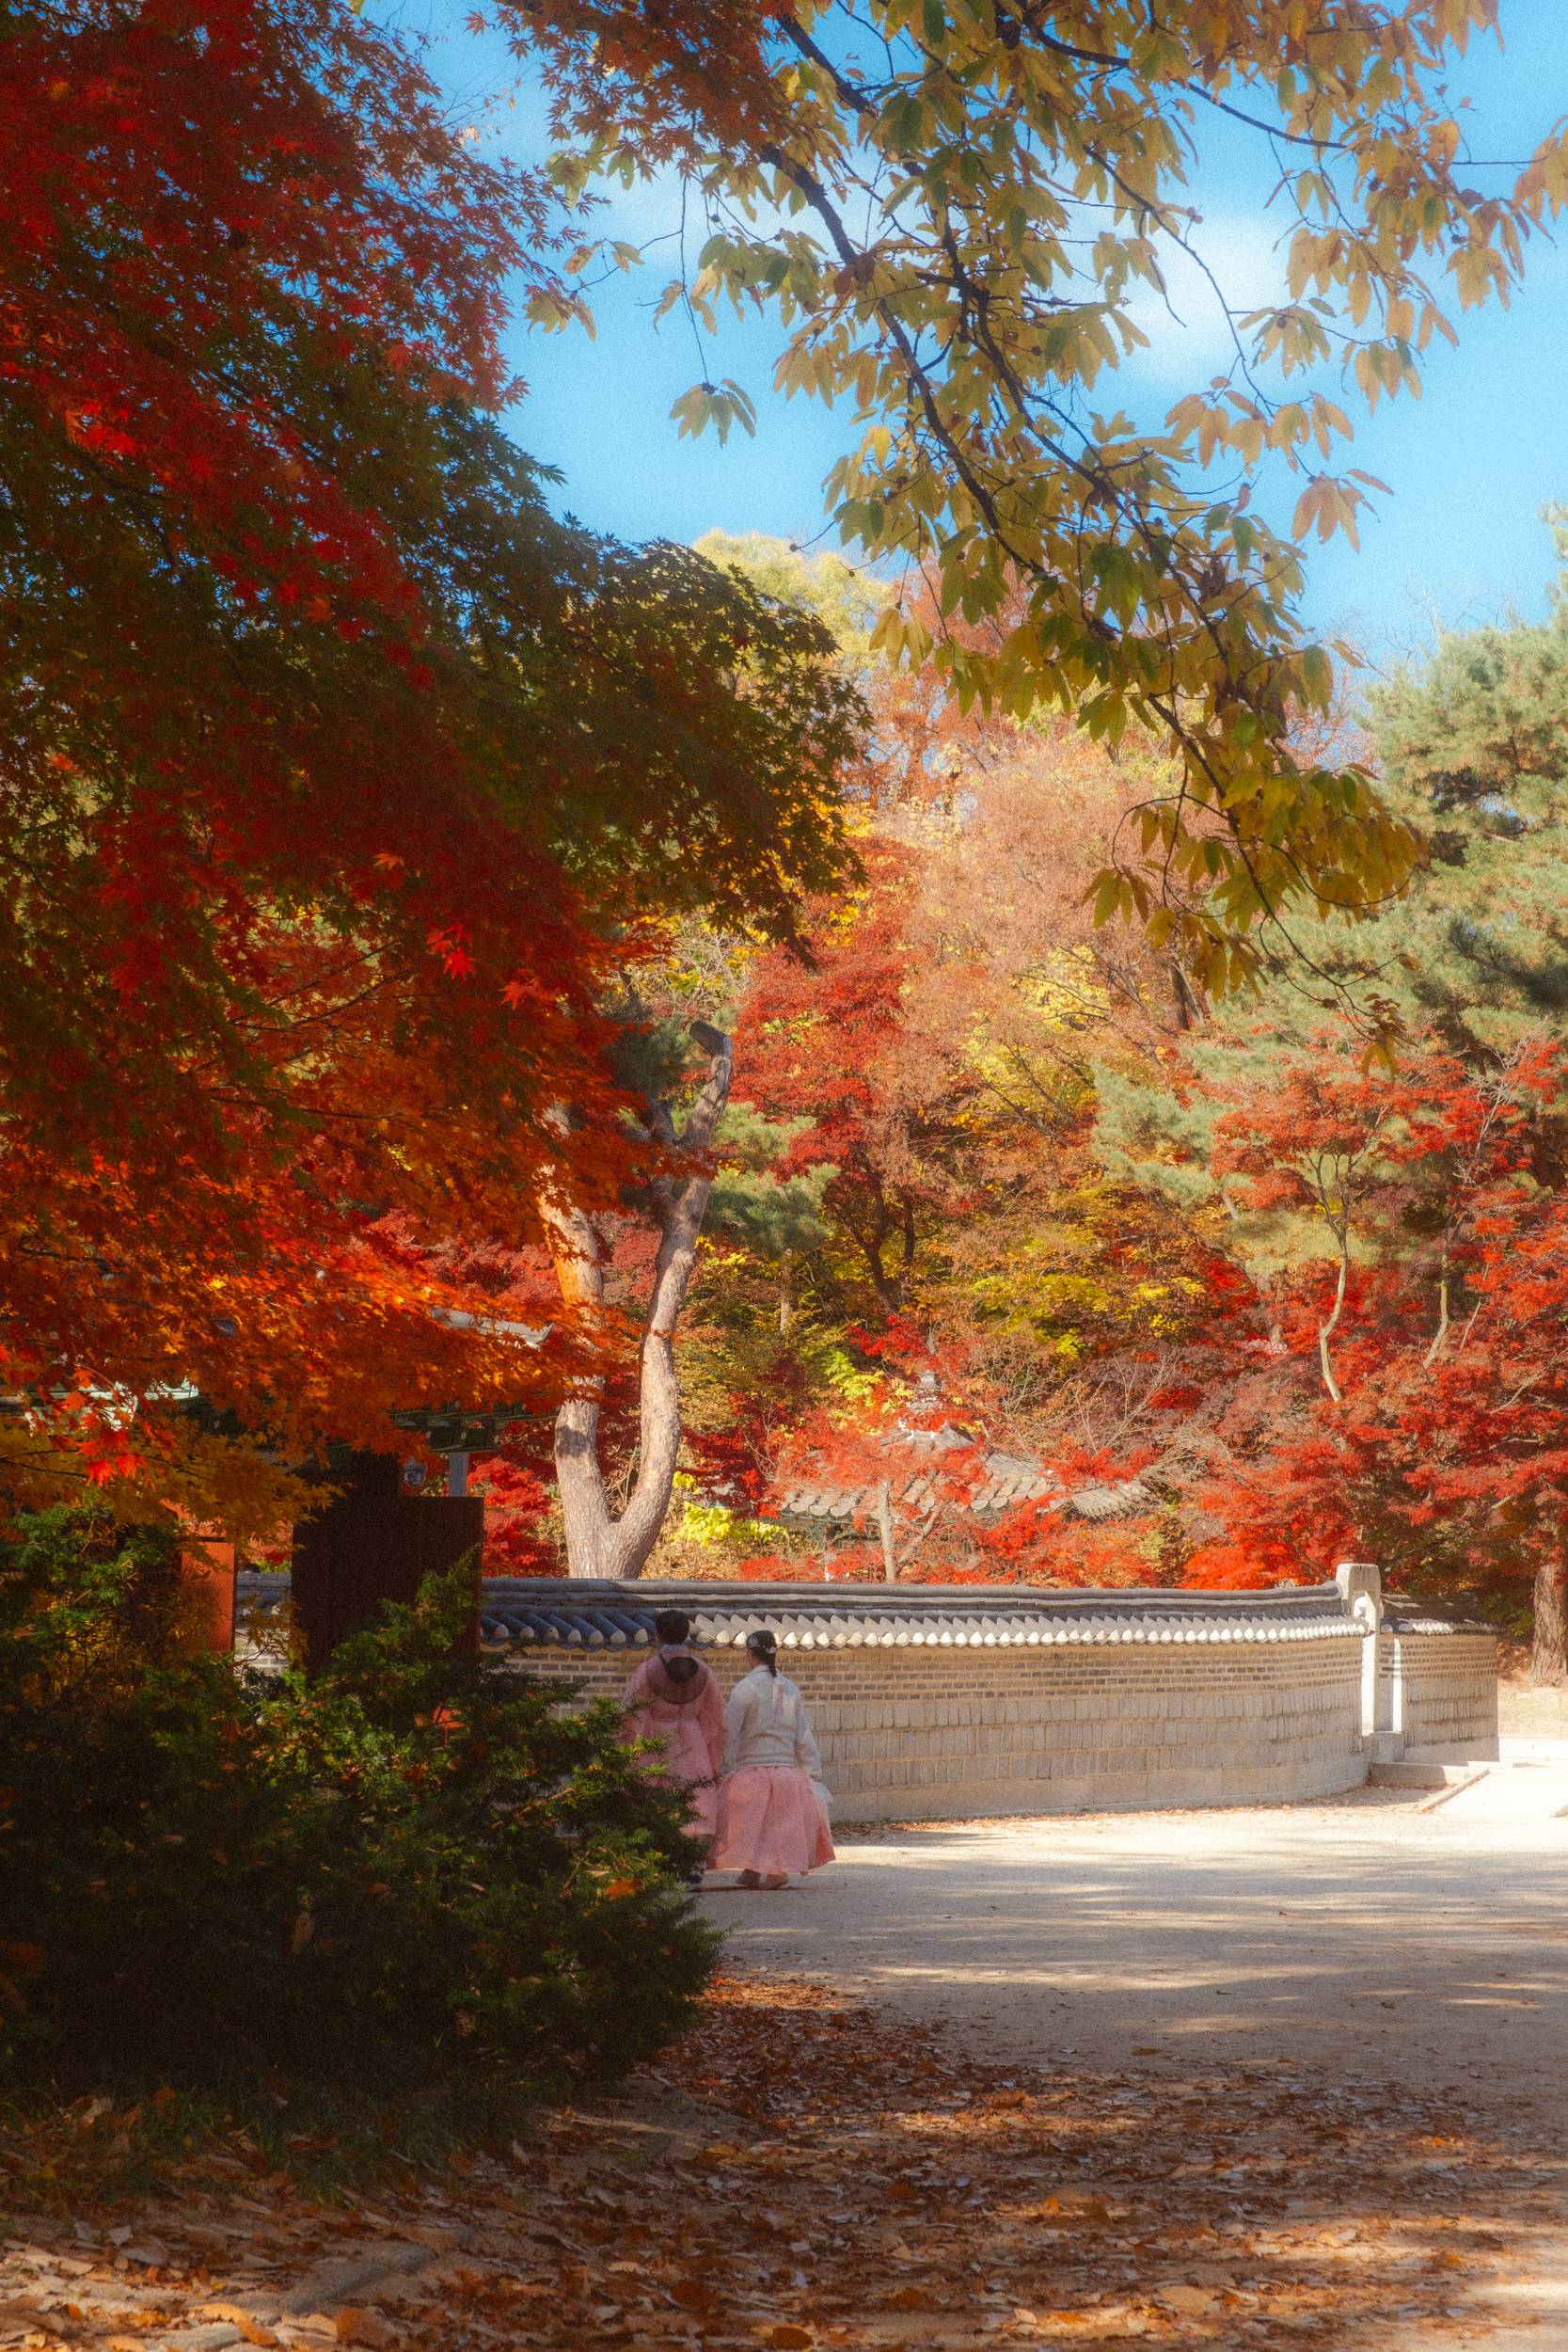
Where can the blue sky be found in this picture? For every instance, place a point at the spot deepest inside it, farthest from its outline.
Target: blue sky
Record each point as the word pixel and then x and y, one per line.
pixel 1469 465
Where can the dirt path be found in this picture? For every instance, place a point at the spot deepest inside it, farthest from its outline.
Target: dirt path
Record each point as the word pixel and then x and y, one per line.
pixel 1212 2083
pixel 1365 1940
pixel 1366 1948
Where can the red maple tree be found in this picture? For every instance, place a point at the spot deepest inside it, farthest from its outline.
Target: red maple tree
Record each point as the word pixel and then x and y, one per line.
pixel 1398 1393
pixel 338 780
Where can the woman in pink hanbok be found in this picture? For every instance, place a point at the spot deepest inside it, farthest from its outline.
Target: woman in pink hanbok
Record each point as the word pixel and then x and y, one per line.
pixel 772 1802
pixel 674 1702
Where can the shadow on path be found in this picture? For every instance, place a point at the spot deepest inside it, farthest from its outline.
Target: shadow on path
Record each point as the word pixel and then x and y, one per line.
pixel 1379 1996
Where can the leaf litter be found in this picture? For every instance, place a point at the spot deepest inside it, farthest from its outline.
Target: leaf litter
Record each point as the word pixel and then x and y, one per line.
pixel 800 2173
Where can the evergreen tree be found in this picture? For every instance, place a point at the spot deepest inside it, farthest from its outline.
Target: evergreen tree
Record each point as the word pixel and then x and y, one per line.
pixel 1274 1125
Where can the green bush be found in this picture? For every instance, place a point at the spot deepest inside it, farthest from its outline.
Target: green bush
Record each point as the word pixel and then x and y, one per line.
pixel 412 1865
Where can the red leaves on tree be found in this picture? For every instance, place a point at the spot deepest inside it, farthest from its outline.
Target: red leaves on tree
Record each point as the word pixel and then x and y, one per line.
pixel 1437 1195
pixel 338 778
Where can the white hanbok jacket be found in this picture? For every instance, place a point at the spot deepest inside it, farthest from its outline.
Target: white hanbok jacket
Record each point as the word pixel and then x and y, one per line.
pixel 766 1724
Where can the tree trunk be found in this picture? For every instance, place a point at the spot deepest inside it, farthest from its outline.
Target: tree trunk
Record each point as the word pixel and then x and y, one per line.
pixel 598 1543
pixel 1440 1335
pixel 1187 1008
pixel 1326 1331
pixel 1549 1655
pixel 884 1524
pixel 871 1240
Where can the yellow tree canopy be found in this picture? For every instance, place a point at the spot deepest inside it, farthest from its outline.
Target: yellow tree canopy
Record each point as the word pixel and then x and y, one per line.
pixel 958 210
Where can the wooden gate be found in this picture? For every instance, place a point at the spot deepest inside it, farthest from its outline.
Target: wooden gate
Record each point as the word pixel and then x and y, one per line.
pixel 374 1543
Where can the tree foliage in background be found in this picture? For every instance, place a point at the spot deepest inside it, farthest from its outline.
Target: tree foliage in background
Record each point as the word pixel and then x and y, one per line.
pixel 1309 1301
pixel 958 215
pixel 1384 1376
pixel 908 1145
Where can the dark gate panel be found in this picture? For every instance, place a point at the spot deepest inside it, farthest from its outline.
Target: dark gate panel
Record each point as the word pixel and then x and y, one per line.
pixel 374 1544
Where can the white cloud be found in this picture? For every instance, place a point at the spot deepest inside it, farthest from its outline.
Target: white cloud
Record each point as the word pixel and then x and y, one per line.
pixel 1234 258
pixel 651 209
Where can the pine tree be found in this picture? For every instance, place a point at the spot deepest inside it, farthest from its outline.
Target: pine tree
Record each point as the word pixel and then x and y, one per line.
pixel 1338 1184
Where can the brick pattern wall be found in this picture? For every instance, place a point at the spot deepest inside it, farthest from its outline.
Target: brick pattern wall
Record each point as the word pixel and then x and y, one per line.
pixel 1448 1695
pixel 928 1732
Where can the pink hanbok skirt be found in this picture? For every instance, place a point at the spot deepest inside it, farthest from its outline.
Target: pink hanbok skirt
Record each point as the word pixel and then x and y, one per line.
pixel 770 1821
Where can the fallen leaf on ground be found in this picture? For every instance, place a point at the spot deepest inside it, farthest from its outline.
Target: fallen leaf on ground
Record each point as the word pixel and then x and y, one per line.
pixel 1181 2298
pixel 849 2183
pixel 237 2316
pixel 354 2325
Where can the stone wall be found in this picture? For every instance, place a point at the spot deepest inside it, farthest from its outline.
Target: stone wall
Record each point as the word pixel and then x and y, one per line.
pixel 1438 1691
pixel 932 1733
pixel 963 1701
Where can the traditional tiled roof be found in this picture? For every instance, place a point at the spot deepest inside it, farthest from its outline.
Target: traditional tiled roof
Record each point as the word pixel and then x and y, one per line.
pixel 1003 1481
pixel 583 1613
pixel 263 1589
pixel 1006 1479
pixel 1123 1501
pixel 1400 1615
pixel 588 1614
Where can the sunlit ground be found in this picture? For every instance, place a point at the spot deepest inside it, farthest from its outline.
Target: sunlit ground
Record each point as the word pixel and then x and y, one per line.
pixel 1364 1936
pixel 1221 2082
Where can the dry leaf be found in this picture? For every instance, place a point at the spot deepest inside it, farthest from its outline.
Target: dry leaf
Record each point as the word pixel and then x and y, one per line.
pixel 857 2131
pixel 1185 2298
pixel 235 2315
pixel 354 2325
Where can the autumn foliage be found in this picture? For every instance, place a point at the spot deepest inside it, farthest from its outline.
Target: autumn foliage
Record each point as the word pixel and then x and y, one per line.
pixel 960 218
pixel 338 779
pixel 370 833
pixel 1271 1295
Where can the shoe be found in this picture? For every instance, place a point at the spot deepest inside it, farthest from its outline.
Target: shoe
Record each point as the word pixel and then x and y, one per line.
pixel 772 1885
pixel 748 1878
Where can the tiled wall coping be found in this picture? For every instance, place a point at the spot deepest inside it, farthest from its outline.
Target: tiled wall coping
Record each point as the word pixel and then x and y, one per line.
pixel 593 1614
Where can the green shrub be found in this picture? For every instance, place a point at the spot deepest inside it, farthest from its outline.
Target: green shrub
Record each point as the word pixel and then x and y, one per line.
pixel 412 1865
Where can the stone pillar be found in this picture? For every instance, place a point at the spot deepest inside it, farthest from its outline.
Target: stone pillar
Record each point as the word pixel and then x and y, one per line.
pixel 1361 1589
